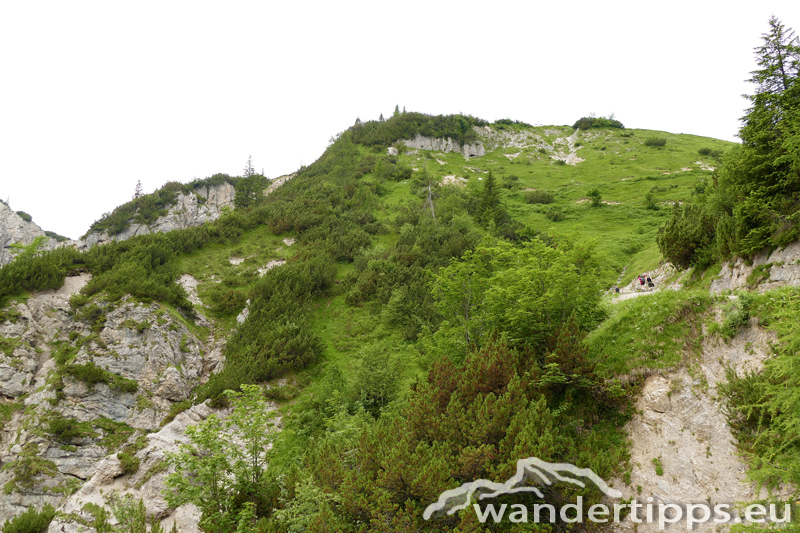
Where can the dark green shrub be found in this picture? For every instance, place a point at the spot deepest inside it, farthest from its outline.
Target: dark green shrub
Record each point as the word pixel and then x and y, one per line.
pixel 65 430
pixel 407 125
pixel 687 235
pixel 585 123
pixel 555 214
pixel 31 521
pixel 656 142
pixel 510 182
pixel 539 197
pixel 24 216
pixel 129 463
pixel 175 410
pixel 596 197
pixel 716 154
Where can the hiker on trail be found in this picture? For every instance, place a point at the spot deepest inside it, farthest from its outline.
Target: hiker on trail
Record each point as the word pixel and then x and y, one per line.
pixel 650 283
pixel 616 289
pixel 641 281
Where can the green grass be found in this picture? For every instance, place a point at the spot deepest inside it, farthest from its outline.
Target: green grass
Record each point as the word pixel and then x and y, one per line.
pixel 617 163
pixel 654 331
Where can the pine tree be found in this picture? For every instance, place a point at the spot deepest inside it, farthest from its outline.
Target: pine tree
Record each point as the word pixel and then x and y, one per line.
pixel 396 110
pixel 381 118
pixel 137 192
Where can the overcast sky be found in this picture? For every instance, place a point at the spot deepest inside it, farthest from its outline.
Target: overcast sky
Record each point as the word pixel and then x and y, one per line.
pixel 98 95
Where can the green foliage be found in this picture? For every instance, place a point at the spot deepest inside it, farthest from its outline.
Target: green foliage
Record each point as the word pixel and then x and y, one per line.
pixel 650 201
pixel 716 154
pixel 651 332
pixel 38 271
pixel 31 521
pixel 596 197
pixel 526 291
pixel 146 209
pixel 491 209
pixel 377 376
pixel 759 182
pixel 174 410
pixel 27 468
pixel 92 374
pixel 66 430
pixel 586 123
pixel 539 197
pixel 7 410
pixel 224 463
pixel 460 423
pixel 129 462
pixel 249 190
pixel 56 236
pixel 764 408
pixel 407 125
pixel 737 314
pixel 24 216
pixel 659 467
pixel 276 338
pixel 655 141
pixel 687 237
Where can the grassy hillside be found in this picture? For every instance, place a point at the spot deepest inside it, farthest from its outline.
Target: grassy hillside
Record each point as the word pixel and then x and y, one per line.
pixel 423 312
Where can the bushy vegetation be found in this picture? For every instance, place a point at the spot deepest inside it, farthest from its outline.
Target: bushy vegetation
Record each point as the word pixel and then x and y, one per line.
pixel 38 271
pixel 585 123
pixel 656 142
pixel 31 521
pixel 539 197
pixel 24 216
pixel 764 407
pixel 407 125
pixel 687 237
pixel 147 208
pixel 755 201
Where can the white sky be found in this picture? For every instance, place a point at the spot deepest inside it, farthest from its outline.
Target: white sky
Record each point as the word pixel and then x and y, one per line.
pixel 97 95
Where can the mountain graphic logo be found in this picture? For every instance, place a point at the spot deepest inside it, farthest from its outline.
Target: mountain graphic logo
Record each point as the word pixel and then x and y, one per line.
pixel 530 469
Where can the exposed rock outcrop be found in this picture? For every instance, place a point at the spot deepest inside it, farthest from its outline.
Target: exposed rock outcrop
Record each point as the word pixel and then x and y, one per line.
pixel 15 230
pixel 446 145
pixel 680 426
pixel 140 359
pixel 769 271
pixel 190 210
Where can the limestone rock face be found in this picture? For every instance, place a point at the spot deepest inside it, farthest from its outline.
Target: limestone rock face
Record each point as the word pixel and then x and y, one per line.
pixel 149 359
pixel 146 483
pixel 446 145
pixel 190 210
pixel 778 269
pixel 15 230
pixel 680 421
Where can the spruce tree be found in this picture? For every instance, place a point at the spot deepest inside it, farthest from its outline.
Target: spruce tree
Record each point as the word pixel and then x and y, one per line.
pixel 490 208
pixel 764 174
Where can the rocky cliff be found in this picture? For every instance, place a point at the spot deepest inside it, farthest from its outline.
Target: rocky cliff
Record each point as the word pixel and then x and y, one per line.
pixel 77 390
pixel 15 230
pixel 446 145
pixel 190 210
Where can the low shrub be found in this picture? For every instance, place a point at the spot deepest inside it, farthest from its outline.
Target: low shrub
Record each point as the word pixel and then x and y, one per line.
pixel 656 142
pixel 539 197
pixel 31 521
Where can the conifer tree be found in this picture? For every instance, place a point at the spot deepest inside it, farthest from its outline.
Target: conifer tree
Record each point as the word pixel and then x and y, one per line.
pixel 137 192
pixel 490 207
pixel 764 174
